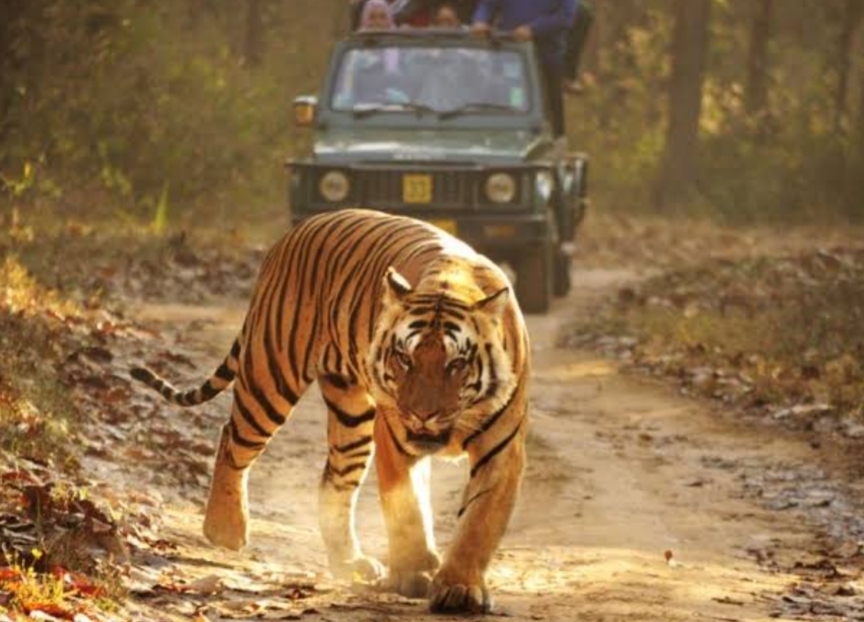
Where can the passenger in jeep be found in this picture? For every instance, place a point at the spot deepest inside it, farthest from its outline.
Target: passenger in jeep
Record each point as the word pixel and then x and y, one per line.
pixel 446 17
pixel 546 22
pixel 376 16
pixel 425 12
pixel 357 7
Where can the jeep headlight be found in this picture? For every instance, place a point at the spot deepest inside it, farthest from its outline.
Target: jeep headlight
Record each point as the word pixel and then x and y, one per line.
pixel 544 183
pixel 334 186
pixel 501 188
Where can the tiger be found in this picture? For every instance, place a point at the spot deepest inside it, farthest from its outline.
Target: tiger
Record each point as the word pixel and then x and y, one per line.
pixel 419 348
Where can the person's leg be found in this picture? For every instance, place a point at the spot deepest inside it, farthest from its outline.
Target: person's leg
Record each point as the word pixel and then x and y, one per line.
pixel 553 80
pixel 576 38
pixel 572 52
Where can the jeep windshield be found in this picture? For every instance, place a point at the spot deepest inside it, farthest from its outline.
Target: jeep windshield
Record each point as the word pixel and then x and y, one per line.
pixel 444 82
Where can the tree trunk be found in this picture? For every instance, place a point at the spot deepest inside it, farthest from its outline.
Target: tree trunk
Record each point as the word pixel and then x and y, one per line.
pixel 855 163
pixel 851 18
pixel 253 45
pixel 860 124
pixel 756 95
pixel 689 52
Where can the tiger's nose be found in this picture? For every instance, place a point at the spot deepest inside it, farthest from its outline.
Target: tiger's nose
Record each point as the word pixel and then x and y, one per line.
pixel 422 416
pixel 424 427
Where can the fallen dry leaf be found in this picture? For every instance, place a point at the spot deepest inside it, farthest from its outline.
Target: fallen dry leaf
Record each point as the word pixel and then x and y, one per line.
pixel 211 584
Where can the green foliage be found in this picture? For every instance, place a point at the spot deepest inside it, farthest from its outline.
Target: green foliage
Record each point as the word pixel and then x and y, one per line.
pixel 619 118
pixel 123 100
pixel 160 220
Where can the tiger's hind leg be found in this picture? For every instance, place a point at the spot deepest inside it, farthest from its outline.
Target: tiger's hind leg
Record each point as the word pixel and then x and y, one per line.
pixel 403 481
pixel 256 416
pixel 350 420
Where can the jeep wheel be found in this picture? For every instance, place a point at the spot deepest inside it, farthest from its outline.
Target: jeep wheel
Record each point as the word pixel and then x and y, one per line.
pixel 534 279
pixel 563 281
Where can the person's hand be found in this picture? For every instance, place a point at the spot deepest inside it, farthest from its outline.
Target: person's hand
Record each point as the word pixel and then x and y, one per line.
pixel 523 33
pixel 480 29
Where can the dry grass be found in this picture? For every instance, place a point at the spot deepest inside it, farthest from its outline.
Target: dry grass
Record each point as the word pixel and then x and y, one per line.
pixel 773 332
pixel 35 413
pixel 615 239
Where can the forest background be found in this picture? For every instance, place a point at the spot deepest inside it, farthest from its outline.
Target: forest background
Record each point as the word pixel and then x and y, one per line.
pixel 154 112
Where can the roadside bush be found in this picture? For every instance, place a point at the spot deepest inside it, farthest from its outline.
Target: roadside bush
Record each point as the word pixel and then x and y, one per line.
pixel 122 108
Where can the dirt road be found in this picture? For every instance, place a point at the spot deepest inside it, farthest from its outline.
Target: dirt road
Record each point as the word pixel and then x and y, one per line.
pixel 637 505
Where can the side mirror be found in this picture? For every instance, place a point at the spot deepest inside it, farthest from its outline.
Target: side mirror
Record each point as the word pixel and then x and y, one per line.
pixel 305 108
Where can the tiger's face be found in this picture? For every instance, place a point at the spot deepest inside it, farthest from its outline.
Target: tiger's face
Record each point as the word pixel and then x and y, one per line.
pixel 438 360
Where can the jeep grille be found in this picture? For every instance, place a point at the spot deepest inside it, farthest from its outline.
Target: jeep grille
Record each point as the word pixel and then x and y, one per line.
pixel 449 189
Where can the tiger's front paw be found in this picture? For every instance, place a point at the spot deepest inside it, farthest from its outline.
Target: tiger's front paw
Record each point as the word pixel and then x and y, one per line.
pixel 409 583
pixel 411 571
pixel 227 526
pixel 361 568
pixel 452 593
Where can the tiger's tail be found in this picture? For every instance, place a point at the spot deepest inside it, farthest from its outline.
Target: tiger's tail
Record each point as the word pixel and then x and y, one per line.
pixel 220 380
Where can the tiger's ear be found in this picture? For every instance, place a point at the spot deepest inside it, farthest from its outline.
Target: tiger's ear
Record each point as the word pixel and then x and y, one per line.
pixel 494 304
pixel 395 286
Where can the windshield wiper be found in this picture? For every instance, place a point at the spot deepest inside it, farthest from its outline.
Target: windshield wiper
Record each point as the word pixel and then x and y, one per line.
pixel 362 113
pixel 476 107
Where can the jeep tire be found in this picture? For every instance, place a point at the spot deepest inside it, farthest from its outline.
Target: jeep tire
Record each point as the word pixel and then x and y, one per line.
pixel 535 279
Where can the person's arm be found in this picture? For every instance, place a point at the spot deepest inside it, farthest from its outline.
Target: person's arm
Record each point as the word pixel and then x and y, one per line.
pixel 486 11
pixel 559 20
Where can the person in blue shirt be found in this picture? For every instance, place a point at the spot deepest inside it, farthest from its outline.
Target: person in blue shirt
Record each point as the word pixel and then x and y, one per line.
pixel 546 22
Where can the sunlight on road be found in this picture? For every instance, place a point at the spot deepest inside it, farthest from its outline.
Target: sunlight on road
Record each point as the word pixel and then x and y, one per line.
pixel 581 369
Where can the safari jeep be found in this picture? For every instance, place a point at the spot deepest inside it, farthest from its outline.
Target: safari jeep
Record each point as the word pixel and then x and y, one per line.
pixel 452 129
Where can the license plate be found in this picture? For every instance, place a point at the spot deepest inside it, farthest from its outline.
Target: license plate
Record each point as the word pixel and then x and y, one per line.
pixel 445 225
pixel 417 188
pixel 500 231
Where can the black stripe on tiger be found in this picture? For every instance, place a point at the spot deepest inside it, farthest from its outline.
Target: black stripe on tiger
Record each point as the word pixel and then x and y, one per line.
pixel 223 372
pixel 312 250
pixel 493 373
pixel 376 263
pixel 347 470
pixel 464 507
pixel 270 411
pixel 348 420
pixel 337 381
pixel 360 442
pixel 193 397
pixel 488 423
pixel 494 451
pixel 395 440
pixel 249 418
pixel 238 438
pixel 359 454
pixel 288 394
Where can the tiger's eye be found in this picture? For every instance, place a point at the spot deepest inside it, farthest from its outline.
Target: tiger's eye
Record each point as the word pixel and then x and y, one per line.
pixel 456 365
pixel 403 359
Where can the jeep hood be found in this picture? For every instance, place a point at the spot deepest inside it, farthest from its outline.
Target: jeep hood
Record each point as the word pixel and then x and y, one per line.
pixel 424 145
